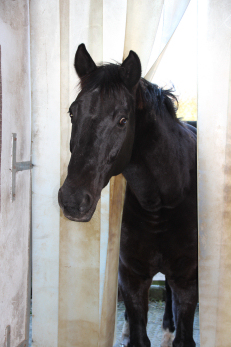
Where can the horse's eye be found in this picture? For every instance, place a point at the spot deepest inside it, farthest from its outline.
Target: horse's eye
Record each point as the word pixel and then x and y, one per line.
pixel 122 122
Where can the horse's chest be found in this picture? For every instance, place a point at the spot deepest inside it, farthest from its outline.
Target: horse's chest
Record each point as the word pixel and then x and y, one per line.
pixel 141 244
pixel 156 243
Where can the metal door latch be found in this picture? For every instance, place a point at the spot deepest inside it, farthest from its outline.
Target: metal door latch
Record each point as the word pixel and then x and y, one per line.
pixel 17 166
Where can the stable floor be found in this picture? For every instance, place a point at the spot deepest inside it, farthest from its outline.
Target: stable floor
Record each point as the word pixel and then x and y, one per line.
pixel 154 327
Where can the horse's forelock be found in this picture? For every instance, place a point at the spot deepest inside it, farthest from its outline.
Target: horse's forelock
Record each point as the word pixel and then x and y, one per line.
pixel 105 78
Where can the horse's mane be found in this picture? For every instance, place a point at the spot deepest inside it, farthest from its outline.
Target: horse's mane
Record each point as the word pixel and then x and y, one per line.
pixel 149 94
pixel 106 78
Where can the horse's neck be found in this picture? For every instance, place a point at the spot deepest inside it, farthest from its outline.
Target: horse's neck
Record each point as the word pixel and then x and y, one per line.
pixel 163 163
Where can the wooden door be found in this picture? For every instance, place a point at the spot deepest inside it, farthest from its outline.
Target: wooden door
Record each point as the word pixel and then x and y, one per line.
pixel 15 177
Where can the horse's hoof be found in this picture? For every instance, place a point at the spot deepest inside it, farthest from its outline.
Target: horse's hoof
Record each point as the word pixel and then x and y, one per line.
pixel 167 339
pixel 125 334
pixel 125 342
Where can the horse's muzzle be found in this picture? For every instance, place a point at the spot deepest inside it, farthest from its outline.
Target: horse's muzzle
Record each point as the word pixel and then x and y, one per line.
pixel 77 206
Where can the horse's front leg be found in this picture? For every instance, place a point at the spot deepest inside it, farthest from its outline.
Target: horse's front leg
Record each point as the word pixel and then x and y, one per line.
pixel 184 304
pixel 134 290
pixel 168 324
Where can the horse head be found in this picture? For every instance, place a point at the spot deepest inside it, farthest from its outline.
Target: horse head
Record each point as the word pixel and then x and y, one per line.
pixel 103 127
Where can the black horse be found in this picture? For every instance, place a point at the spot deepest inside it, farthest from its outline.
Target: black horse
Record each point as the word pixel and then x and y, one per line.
pixel 121 123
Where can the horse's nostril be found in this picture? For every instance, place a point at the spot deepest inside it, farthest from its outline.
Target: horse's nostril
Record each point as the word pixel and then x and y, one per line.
pixel 85 203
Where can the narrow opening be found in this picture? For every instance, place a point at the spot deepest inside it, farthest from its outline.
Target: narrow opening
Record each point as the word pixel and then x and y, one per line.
pixel 177 70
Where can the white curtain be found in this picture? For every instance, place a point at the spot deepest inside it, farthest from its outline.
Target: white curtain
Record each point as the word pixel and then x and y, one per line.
pixel 214 171
pixel 75 264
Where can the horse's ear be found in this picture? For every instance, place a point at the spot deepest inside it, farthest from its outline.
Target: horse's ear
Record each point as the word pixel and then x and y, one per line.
pixel 84 63
pixel 130 70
